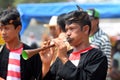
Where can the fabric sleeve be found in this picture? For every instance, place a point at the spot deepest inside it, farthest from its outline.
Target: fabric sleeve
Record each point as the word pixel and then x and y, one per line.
pixel 52 73
pixel 94 69
pixel 32 66
pixel 36 66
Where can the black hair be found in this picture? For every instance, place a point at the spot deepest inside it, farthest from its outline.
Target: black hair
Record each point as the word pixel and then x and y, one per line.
pixel 61 21
pixel 10 16
pixel 79 17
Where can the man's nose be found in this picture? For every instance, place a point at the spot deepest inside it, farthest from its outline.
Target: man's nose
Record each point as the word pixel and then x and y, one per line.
pixel 68 33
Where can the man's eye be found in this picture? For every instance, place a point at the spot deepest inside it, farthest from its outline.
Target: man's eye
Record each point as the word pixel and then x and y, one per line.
pixel 71 28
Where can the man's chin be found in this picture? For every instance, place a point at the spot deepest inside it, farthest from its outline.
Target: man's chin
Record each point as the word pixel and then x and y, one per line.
pixel 6 41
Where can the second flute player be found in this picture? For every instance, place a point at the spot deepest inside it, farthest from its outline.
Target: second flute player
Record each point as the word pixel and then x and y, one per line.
pixel 83 62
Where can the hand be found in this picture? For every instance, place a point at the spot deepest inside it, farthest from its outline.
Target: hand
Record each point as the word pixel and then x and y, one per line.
pixel 62 49
pixel 46 55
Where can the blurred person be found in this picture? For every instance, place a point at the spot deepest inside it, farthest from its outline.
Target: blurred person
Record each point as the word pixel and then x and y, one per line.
pixel 44 38
pixel 115 72
pixel 83 62
pixel 98 38
pixel 61 29
pixel 32 41
pixel 61 26
pixel 52 26
pixel 12 65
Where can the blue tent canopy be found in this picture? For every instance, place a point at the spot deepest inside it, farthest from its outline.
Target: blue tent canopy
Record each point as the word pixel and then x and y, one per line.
pixel 43 11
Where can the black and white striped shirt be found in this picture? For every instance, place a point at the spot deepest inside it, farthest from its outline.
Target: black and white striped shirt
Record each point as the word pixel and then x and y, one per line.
pixel 102 41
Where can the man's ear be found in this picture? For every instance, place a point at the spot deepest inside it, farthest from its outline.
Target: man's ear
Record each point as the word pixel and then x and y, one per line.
pixel 86 29
pixel 19 28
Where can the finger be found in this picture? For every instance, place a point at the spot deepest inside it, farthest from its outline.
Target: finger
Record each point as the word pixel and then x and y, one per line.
pixel 44 42
pixel 57 42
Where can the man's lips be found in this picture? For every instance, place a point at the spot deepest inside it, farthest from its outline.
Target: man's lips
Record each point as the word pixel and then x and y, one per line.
pixel 69 39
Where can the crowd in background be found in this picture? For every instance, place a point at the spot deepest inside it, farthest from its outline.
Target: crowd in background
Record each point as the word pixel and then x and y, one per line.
pixel 99 41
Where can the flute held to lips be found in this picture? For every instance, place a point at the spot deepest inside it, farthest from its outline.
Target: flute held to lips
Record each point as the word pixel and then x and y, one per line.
pixel 26 54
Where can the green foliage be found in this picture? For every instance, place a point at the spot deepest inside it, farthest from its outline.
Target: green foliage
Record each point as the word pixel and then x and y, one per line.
pixel 25 1
pixel 13 3
pixel 47 1
pixel 5 3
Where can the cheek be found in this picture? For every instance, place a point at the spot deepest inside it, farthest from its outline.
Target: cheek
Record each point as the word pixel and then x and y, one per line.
pixel 13 33
pixel 76 41
pixel 77 36
pixel 51 31
pixel 57 31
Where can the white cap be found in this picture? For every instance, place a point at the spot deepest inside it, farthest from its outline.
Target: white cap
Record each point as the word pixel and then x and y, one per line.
pixel 52 22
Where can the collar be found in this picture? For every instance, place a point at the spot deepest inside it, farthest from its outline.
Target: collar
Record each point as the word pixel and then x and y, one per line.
pixel 83 51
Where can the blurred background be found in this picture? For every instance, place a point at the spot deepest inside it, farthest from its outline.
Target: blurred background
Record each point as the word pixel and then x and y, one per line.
pixel 36 13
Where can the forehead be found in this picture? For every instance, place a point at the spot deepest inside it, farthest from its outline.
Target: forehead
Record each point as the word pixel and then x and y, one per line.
pixel 52 27
pixel 74 25
pixel 8 26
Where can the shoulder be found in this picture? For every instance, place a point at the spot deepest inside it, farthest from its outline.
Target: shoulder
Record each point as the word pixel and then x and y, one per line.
pixel 103 34
pixel 25 46
pixel 96 53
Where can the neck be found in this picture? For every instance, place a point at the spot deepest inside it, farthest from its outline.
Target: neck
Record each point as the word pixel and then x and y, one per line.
pixel 93 32
pixel 14 45
pixel 81 46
